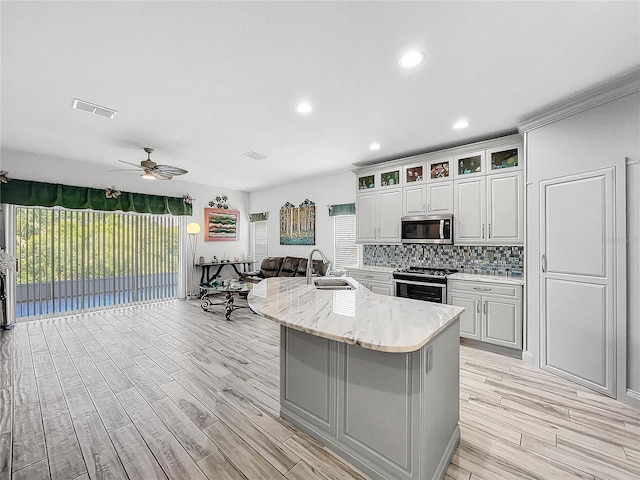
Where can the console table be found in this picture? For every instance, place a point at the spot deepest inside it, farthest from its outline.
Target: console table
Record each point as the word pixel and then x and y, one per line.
pixel 207 277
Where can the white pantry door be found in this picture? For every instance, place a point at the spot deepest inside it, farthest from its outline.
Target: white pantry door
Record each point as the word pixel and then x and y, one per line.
pixel 577 279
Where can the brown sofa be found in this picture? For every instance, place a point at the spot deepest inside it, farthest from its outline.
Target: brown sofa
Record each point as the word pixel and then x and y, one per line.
pixel 284 267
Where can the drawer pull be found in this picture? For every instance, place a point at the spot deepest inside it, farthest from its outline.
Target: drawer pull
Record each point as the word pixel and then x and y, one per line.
pixel 480 289
pixel 368 276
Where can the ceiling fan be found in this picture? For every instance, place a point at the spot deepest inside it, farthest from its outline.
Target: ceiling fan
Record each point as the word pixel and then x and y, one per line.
pixel 152 170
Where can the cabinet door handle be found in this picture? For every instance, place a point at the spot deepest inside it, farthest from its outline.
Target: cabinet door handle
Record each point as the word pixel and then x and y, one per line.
pixel 484 308
pixel 543 262
pixel 489 230
pixel 478 306
pixel 481 289
pixel 429 208
pixel 483 230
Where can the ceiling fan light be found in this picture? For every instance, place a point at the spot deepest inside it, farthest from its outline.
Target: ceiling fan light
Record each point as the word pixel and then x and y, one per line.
pixel 148 176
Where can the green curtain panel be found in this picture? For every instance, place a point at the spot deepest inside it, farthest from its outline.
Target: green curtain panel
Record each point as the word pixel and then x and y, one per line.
pixel 258 217
pixel 342 209
pixel 28 193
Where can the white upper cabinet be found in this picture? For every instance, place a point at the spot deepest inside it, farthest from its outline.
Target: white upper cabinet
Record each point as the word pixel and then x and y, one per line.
pixel 439 198
pixel 389 213
pixel 505 197
pixel 378 216
pixel 366 221
pixel 470 211
pixel 489 210
pixel 481 184
pixel 415 200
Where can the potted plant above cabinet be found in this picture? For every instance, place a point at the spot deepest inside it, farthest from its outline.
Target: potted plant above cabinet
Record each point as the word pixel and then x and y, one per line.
pixel 433 195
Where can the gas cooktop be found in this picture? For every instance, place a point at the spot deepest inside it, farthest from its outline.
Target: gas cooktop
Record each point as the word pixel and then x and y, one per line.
pixel 426 271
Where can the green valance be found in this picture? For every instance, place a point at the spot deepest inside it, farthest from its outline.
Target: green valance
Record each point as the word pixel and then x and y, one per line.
pixel 40 194
pixel 258 217
pixel 342 209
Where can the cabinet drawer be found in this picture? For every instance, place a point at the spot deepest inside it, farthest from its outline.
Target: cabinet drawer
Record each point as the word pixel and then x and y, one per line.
pixel 511 291
pixel 369 275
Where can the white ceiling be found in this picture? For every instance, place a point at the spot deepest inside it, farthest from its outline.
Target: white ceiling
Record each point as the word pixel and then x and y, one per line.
pixel 204 82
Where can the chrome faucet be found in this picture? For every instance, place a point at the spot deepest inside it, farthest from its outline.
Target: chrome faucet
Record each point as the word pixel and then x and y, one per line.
pixel 310 263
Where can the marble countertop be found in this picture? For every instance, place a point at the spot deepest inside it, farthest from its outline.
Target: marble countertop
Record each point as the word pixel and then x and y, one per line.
pixel 358 317
pixel 477 277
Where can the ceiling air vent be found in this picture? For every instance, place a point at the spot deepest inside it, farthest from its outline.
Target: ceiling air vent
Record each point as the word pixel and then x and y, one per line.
pixel 93 108
pixel 255 155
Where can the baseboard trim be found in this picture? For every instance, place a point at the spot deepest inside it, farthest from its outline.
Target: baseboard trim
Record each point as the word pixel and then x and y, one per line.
pixel 528 358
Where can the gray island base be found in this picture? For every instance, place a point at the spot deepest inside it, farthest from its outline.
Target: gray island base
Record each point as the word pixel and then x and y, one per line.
pixel 390 409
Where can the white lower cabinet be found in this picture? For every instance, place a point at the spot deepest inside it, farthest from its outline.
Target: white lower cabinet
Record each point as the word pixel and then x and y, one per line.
pixel 378 282
pixel 493 312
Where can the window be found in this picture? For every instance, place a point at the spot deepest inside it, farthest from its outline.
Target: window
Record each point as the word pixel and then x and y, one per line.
pixel 71 260
pixel 345 250
pixel 260 242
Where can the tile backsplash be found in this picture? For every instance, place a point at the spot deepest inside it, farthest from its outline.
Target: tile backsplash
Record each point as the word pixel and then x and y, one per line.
pixel 470 259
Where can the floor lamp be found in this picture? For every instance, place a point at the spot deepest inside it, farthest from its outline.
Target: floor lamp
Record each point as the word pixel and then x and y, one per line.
pixel 193 229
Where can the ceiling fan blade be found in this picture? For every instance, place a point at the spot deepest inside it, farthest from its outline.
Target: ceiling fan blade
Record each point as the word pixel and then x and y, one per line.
pixel 169 170
pixel 134 164
pixel 159 175
pixel 124 170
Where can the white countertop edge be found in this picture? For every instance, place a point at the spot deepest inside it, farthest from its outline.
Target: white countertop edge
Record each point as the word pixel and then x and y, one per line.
pixel 477 277
pixel 353 341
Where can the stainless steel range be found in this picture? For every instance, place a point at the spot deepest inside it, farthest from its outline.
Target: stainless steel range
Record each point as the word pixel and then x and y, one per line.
pixel 422 283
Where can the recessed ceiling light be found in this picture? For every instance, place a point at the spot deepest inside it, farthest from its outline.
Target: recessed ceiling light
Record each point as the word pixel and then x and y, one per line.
pixel 461 124
pixel 304 107
pixel 374 146
pixel 411 58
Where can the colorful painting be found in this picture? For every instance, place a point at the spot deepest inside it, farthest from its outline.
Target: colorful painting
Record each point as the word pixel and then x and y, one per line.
pixel 298 224
pixel 222 225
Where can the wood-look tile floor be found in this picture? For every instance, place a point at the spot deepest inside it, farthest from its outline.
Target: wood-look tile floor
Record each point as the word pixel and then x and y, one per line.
pixel 171 392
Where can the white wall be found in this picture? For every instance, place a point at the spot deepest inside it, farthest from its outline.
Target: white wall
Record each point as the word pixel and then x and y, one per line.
pixel 27 166
pixel 596 138
pixel 323 191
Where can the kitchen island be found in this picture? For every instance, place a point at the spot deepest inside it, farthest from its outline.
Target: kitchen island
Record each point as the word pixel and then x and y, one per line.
pixel 372 377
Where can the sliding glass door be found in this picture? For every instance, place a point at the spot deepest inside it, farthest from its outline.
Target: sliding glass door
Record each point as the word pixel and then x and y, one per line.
pixel 78 260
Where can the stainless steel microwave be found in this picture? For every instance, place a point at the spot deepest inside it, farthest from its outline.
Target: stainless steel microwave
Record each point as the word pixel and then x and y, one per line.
pixel 428 229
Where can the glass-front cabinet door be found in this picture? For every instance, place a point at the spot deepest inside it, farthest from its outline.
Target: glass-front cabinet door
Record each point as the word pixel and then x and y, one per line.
pixel 469 165
pixel 390 178
pixel 366 181
pixel 414 174
pixel 440 170
pixel 504 159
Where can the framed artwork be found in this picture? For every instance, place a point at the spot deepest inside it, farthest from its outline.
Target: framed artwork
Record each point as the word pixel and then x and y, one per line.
pixel 221 225
pixel 298 224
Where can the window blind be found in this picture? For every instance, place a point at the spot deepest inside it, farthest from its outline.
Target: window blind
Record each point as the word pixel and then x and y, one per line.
pixel 78 260
pixel 260 242
pixel 344 242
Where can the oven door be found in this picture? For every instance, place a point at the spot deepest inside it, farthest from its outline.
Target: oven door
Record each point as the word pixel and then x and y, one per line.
pixel 430 292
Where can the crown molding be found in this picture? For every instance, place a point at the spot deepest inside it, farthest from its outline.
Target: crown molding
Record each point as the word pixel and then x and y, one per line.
pixel 604 92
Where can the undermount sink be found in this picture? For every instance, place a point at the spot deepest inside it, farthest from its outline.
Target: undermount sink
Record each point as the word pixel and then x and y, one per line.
pixel 329 283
